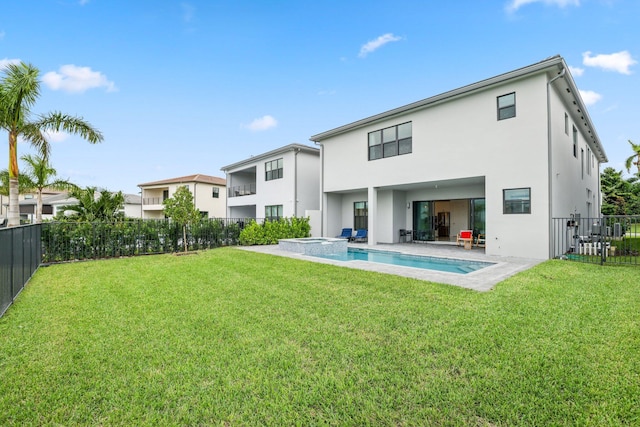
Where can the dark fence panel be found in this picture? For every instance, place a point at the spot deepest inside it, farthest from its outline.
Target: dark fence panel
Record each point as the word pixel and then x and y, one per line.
pixel 612 239
pixel 20 256
pixel 67 241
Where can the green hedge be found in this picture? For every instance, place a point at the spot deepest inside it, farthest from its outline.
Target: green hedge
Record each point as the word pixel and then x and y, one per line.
pixel 269 232
pixel 66 241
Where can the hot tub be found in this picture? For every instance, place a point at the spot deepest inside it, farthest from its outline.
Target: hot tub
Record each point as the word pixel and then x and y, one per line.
pixel 314 245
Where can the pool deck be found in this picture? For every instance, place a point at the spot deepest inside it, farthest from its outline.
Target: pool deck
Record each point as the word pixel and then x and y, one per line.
pixel 482 280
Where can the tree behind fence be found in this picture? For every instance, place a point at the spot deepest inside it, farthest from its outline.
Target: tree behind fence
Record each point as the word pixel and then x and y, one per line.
pixel 66 241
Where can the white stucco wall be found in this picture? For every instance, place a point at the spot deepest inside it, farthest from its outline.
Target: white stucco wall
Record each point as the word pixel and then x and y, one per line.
pixel 297 191
pixel 456 140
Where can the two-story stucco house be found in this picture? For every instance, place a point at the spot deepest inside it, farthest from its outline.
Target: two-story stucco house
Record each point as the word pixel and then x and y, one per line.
pixel 284 182
pixel 502 157
pixel 209 195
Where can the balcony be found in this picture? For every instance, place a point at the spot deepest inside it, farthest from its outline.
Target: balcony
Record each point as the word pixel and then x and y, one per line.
pixel 152 203
pixel 241 190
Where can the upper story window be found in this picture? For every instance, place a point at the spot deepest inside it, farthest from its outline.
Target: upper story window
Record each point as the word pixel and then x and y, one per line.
pixel 391 141
pixel 507 106
pixel 273 170
pixel 566 123
pixel 575 142
pixel 516 201
pixel 215 193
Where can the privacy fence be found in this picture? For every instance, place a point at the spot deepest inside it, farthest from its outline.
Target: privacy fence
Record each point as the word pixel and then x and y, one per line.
pixel 603 240
pixel 20 256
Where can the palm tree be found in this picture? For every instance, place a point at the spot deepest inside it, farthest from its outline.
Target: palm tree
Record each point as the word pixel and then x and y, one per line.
pixel 19 91
pixel 636 156
pixel 94 205
pixel 41 175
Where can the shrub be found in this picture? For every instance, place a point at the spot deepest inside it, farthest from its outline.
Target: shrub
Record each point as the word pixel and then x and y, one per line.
pixel 269 232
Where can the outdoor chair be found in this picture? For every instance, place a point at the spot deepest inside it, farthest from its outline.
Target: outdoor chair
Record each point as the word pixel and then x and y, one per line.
pixel 361 235
pixel 465 237
pixel 347 233
pixel 480 240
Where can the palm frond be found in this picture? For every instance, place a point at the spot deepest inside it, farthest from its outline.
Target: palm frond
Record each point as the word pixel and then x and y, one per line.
pixel 58 121
pixel 21 90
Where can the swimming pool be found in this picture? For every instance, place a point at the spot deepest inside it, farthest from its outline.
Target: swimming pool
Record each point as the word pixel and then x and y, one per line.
pixel 416 261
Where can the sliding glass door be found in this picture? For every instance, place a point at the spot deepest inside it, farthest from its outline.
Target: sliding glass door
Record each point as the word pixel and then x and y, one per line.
pixel 424 221
pixel 478 216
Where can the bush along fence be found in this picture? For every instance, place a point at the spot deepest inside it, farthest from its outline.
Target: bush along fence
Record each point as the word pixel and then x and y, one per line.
pixel 20 256
pixel 611 239
pixel 68 241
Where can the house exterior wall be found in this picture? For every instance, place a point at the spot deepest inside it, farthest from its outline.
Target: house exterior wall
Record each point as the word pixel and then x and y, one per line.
pixel 297 191
pixel 202 195
pixel 307 182
pixel 460 151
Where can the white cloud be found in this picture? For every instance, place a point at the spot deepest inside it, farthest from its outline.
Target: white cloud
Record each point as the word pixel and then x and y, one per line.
pixel 263 123
pixel 77 79
pixel 619 62
pixel 373 45
pixel 53 136
pixel 576 71
pixel 590 97
pixel 514 5
pixel 2 34
pixel 83 2
pixel 4 62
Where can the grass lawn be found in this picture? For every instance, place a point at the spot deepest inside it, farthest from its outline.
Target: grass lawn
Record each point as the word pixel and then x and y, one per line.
pixel 228 337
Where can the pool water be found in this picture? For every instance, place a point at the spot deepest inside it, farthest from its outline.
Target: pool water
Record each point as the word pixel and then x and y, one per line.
pixel 394 258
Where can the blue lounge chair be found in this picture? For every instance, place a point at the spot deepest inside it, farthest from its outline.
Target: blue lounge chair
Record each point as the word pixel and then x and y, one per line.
pixel 361 235
pixel 346 234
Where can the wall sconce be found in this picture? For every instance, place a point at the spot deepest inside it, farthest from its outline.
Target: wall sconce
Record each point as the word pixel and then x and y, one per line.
pixel 408 205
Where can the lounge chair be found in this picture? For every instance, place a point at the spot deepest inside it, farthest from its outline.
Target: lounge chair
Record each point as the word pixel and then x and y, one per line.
pixel 361 235
pixel 480 240
pixel 347 233
pixel 465 237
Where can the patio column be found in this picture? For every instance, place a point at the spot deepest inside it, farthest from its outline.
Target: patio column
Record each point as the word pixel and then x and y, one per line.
pixel 372 215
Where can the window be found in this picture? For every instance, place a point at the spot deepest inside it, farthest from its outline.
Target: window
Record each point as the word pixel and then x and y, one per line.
pixel 360 215
pixel 215 193
pixel 390 142
pixel 566 123
pixel 582 163
pixel 575 142
pixel 507 106
pixel 589 161
pixel 516 201
pixel 204 215
pixel 273 170
pixel 273 212
pixel 165 195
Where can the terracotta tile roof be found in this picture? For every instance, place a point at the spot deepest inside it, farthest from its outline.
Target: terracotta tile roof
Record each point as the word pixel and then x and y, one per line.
pixel 207 179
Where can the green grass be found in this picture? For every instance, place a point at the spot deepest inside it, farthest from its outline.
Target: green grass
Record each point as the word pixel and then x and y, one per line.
pixel 228 337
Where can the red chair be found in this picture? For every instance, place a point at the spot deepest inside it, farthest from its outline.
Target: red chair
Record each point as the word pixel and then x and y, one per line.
pixel 465 237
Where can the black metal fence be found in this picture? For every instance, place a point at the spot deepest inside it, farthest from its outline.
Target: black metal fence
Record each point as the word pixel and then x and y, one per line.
pixel 20 256
pixel 611 239
pixel 67 241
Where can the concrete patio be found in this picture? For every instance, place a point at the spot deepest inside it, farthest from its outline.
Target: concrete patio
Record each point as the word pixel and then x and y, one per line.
pixel 481 280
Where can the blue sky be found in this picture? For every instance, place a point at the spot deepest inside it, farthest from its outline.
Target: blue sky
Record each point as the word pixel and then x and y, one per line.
pixel 184 87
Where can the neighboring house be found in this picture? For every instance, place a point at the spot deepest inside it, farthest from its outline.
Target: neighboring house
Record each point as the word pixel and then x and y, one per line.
pixel 51 206
pixel 502 157
pixel 24 200
pixel 208 195
pixel 280 183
